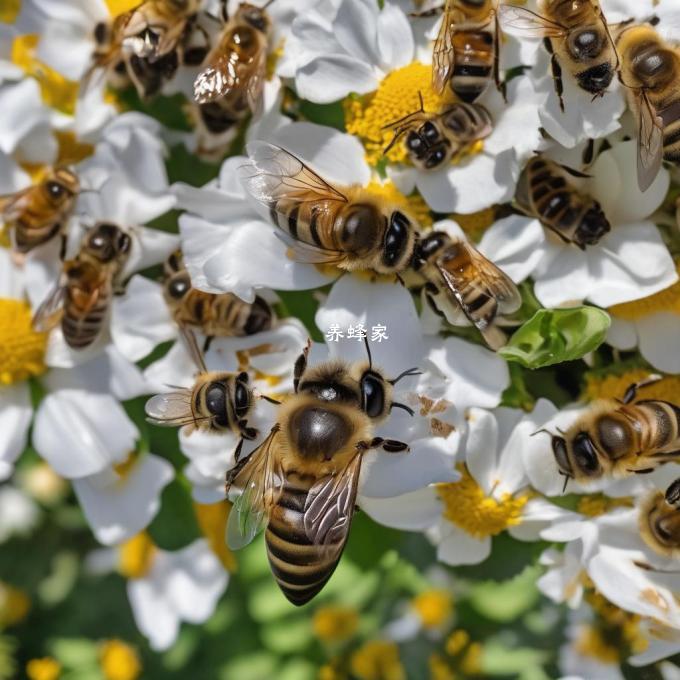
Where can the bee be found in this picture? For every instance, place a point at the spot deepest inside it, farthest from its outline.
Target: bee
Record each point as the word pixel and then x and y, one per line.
pixel 301 482
pixel 344 226
pixel 650 70
pixel 577 37
pixel 466 52
pixel 546 192
pixel 435 139
pixel 218 402
pixel 38 213
pixel 460 279
pixel 224 315
pixel 108 53
pixel 618 438
pixel 659 521
pixel 236 67
pixel 81 299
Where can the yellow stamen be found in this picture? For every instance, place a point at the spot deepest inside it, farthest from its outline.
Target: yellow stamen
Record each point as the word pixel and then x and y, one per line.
pixel 475 224
pixel 335 623
pixel 414 204
pixel 46 668
pixel 614 386
pixel 590 643
pixel 124 468
pixel 119 661
pixel 9 11
pixel 22 350
pixel 396 97
pixel 667 300
pixel 70 149
pixel 273 59
pixel 377 660
pixel 14 605
pixel 136 556
pixel 434 607
pixel 57 92
pixel 480 516
pixel 212 520
pixel 596 505
pixel 117 7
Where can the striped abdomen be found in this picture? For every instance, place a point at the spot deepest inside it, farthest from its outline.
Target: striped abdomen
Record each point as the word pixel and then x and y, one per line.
pixel 473 63
pixel 468 122
pixel 307 221
pixel 81 326
pixel 300 568
pixel 657 430
pixel 33 229
pixel 671 132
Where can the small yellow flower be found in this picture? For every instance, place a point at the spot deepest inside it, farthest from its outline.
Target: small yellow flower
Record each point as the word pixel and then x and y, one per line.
pixel 119 661
pixel 335 623
pixel 434 607
pixel 14 605
pixel 377 660
pixel 457 642
pixel 471 663
pixel 212 519
pixel 136 556
pixel 597 504
pixel 439 668
pixel 475 224
pixel 590 643
pixel 22 350
pixel 46 668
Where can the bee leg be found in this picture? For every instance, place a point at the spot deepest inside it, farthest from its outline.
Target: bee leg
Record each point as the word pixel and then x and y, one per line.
pixel 207 342
pixel 646 471
pixel 247 432
pixel 224 11
pixel 394 446
pixel 631 392
pixel 425 13
pixel 237 450
pixel 556 72
pixel 62 247
pixel 234 472
pixel 673 493
pixel 500 85
pixel 301 365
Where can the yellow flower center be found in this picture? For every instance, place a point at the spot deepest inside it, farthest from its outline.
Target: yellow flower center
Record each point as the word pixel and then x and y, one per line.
pixel 9 11
pixel 57 92
pixel 212 520
pixel 395 98
pixel 614 386
pixel 335 623
pixel 14 605
pixel 117 7
pixel 667 300
pixel 136 556
pixel 46 668
pixel 414 204
pixel 596 505
pixel 478 515
pixel 22 350
pixel 591 643
pixel 434 607
pixel 377 660
pixel 475 224
pixel 119 661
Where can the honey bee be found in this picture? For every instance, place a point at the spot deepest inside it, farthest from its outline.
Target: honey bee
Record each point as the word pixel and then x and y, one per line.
pixel 545 191
pixel 466 52
pixel 650 71
pixel 459 278
pixel 344 226
pixel 38 213
pixel 619 438
pixel 236 67
pixel 577 37
pixel 81 299
pixel 108 55
pixel 301 482
pixel 218 402
pixel 435 139
pixel 659 521
pixel 224 315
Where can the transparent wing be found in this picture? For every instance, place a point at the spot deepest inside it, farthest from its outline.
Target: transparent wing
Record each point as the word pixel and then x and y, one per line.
pixel 443 55
pixel 261 478
pixel 48 315
pixel 254 76
pixel 308 253
pixel 191 343
pixel 650 143
pixel 12 205
pixel 170 409
pixel 273 174
pixel 330 506
pixel 524 22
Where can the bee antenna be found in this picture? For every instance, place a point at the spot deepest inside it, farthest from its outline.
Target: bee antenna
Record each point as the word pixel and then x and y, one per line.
pixel 368 351
pixel 566 481
pixel 408 409
pixel 266 4
pixel 271 400
pixel 409 372
pixel 533 434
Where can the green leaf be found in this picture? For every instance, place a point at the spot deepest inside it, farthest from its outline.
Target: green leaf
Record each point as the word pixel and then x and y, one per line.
pixel 175 525
pixel 508 600
pixel 552 336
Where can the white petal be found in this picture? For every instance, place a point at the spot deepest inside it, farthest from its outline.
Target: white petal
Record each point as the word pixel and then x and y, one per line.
pixel 175 368
pixel 659 335
pixel 457 547
pixel 355 29
pixel 18 513
pixel 15 417
pixel 65 48
pixel 23 111
pixel 155 245
pixel 415 511
pixel 395 38
pixel 481 448
pixel 563 276
pixel 622 334
pixel 80 433
pixel 140 319
pixel 329 78
pixel 118 508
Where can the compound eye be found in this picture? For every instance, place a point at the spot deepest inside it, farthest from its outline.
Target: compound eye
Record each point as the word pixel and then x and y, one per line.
pixel 559 448
pixel 55 189
pixel 256 19
pixel 430 132
pixel 372 395
pixel 124 243
pixel 584 453
pixel 413 142
pixel 216 399
pixel 241 399
pixel 179 287
pixel 436 158
pixel 396 238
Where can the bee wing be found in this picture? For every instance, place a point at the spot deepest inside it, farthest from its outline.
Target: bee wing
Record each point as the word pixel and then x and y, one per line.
pixel 330 506
pixel 490 282
pixel 650 143
pixel 261 479
pixel 443 55
pixel 12 205
pixel 255 75
pixel 527 23
pixel 170 409
pixel 48 315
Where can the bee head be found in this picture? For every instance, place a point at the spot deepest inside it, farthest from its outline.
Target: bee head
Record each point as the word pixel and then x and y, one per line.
pixel 254 16
pixel 596 80
pixel 594 225
pixel 107 241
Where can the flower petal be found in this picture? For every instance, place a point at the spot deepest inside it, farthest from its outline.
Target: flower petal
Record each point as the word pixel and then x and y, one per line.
pixel 415 511
pixel 457 547
pixel 659 335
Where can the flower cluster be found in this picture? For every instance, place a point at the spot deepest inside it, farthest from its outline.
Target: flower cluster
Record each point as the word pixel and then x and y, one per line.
pixel 413 253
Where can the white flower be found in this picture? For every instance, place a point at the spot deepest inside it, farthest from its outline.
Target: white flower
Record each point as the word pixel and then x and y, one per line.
pixel 630 262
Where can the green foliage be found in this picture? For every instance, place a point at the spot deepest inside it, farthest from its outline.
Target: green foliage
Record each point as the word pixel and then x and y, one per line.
pixel 553 336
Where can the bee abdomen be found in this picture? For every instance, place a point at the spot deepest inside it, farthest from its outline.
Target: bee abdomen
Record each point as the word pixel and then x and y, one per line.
pixel 29 236
pixel 664 424
pixel 300 567
pixel 81 331
pixel 473 64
